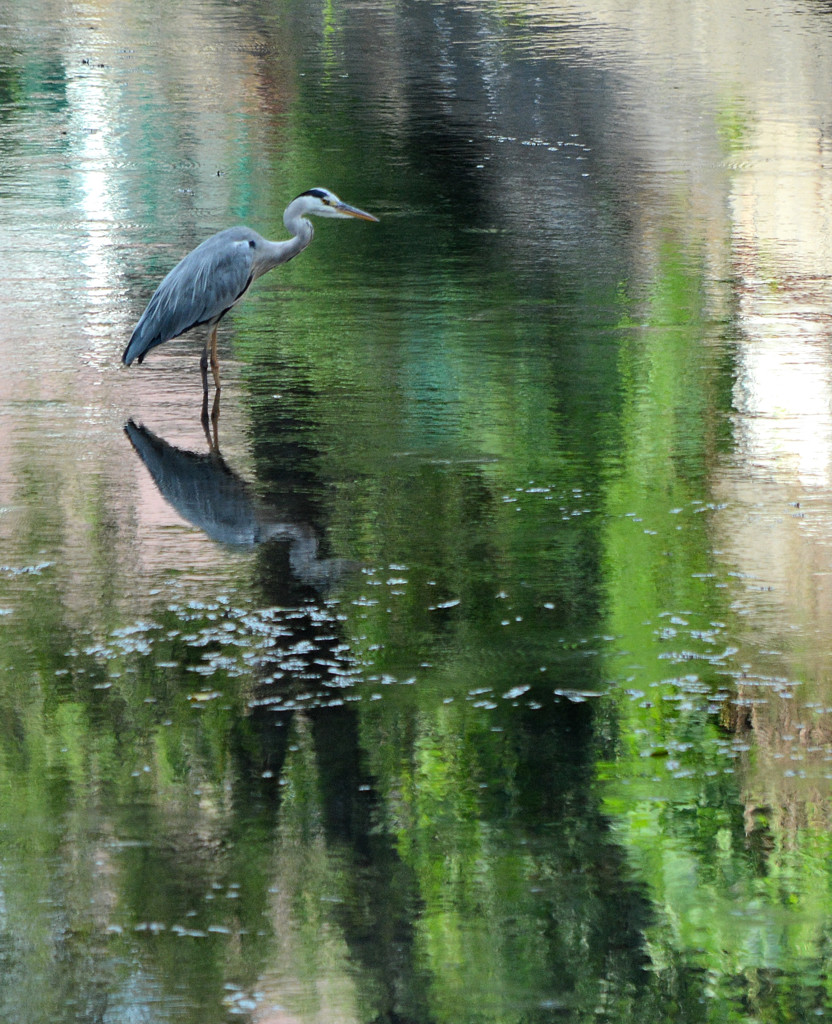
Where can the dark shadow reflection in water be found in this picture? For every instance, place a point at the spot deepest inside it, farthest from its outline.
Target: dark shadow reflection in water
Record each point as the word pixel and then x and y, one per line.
pixel 207 493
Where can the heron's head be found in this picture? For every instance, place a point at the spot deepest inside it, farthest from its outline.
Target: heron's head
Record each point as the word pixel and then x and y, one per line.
pixel 322 203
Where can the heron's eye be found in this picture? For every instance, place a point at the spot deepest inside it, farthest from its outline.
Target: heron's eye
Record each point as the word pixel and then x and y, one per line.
pixel 251 243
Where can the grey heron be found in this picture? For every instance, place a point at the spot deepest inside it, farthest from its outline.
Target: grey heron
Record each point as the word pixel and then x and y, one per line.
pixel 215 275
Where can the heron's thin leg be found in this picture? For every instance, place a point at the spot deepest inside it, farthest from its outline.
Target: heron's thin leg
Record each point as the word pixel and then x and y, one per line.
pixel 215 420
pixel 210 425
pixel 203 365
pixel 215 362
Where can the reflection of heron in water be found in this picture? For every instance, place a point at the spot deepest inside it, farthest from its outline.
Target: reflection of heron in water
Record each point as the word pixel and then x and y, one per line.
pixel 210 495
pixel 212 278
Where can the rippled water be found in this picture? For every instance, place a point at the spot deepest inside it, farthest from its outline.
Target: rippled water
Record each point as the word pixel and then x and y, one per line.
pixel 476 668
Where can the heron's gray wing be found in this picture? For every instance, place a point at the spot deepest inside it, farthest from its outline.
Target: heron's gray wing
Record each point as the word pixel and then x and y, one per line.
pixel 199 289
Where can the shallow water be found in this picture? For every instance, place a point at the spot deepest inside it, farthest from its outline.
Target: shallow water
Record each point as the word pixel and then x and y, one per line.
pixel 477 668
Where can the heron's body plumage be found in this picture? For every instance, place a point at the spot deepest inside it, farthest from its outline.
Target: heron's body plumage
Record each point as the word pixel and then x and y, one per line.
pixel 200 289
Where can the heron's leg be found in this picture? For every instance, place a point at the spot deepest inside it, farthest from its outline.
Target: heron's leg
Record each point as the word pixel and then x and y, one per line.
pixel 204 416
pixel 215 420
pixel 203 365
pixel 215 363
pixel 211 424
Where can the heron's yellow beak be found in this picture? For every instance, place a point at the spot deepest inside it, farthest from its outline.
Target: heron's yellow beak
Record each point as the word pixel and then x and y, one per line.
pixel 353 211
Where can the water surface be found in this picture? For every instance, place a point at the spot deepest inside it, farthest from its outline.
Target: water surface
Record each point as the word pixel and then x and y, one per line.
pixel 476 669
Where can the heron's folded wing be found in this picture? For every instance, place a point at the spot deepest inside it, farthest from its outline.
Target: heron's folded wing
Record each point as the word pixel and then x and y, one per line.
pixel 199 289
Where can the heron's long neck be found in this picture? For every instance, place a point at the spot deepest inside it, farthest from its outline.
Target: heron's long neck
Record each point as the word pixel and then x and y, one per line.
pixel 282 252
pixel 300 228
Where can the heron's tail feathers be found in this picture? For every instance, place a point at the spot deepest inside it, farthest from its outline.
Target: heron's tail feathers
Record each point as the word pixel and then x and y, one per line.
pixel 138 346
pixel 131 352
